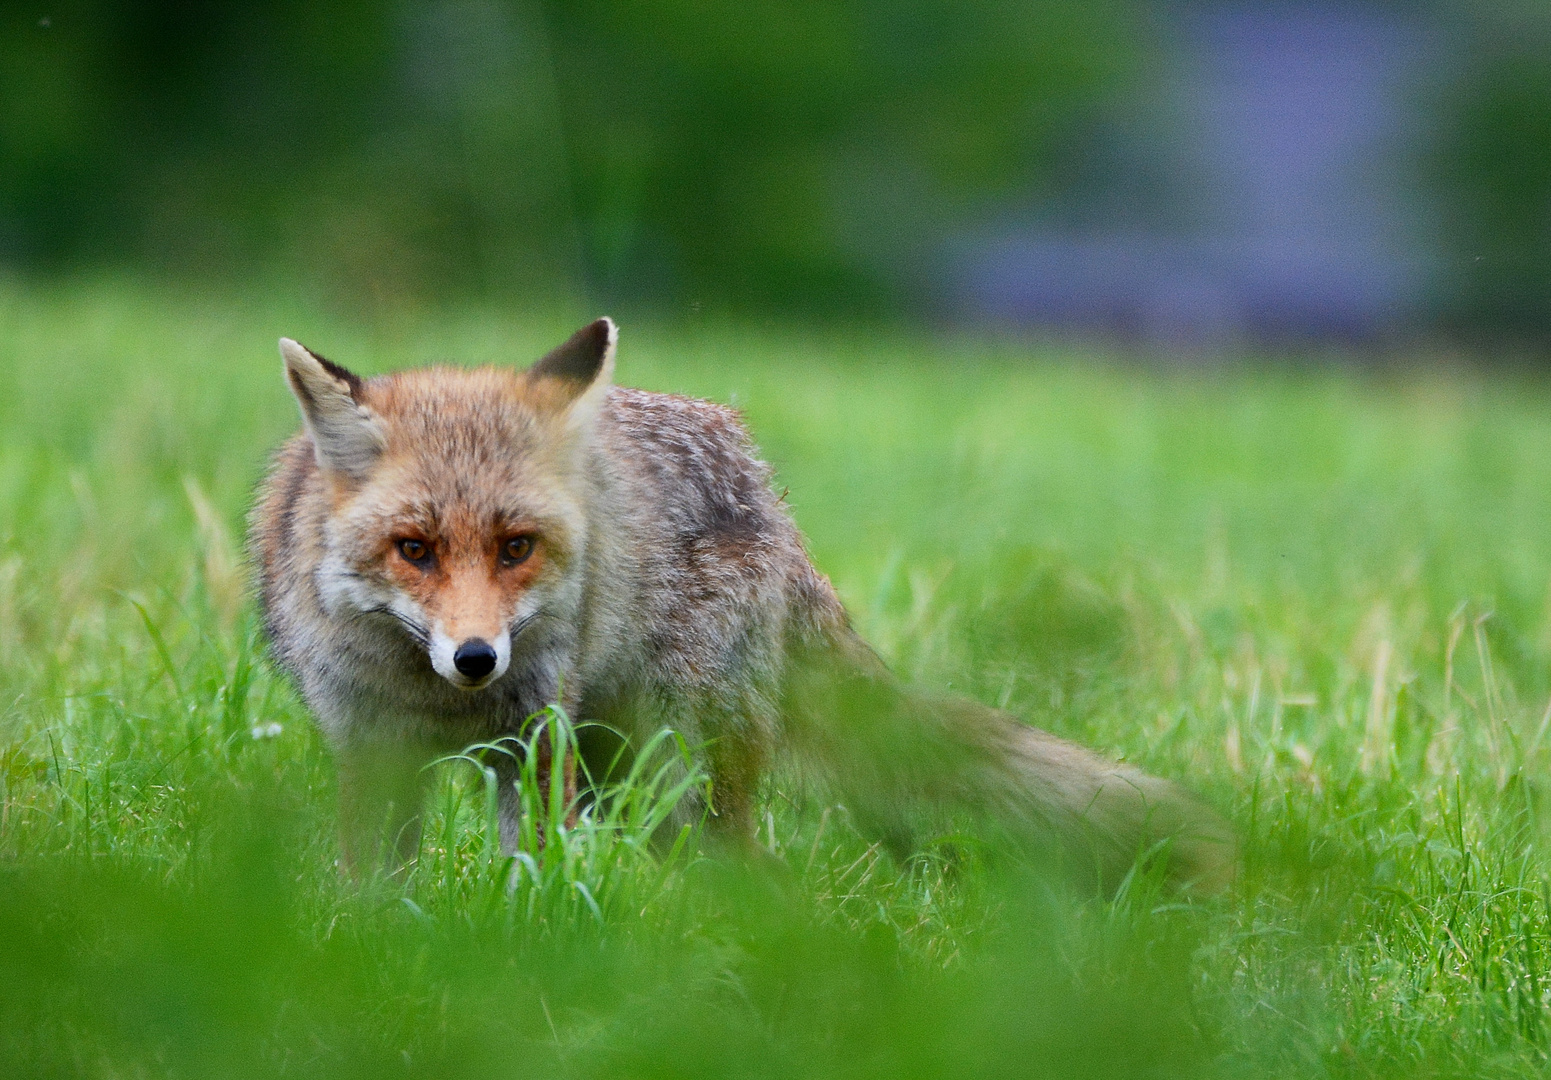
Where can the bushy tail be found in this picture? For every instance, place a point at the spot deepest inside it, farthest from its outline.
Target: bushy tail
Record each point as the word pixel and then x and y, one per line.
pixel 893 752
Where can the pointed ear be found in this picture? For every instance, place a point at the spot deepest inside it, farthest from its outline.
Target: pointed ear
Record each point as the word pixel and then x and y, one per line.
pixel 345 435
pixel 575 377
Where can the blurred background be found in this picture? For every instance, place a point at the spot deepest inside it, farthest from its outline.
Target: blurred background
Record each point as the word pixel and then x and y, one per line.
pixel 1168 172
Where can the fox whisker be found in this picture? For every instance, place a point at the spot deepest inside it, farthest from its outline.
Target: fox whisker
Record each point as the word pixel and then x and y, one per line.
pixel 419 633
pixel 521 624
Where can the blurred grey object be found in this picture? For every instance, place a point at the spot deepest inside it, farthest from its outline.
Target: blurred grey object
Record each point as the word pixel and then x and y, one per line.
pixel 1265 187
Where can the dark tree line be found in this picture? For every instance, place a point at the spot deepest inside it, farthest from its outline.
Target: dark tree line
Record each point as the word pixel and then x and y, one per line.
pixel 790 151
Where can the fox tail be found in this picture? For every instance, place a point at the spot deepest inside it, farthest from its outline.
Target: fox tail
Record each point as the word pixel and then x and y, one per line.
pixel 892 751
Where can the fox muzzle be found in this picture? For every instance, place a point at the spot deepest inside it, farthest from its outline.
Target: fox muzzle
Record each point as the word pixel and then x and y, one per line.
pixel 472 663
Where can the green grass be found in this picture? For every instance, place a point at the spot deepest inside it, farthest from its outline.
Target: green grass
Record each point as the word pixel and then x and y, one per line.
pixel 1316 595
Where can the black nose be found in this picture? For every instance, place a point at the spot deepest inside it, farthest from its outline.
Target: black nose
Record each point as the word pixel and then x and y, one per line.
pixel 474 658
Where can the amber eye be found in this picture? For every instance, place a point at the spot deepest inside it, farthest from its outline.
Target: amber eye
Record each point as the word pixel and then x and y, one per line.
pixel 516 550
pixel 414 551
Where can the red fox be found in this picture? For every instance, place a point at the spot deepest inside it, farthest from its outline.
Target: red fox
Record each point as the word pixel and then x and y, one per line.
pixel 442 552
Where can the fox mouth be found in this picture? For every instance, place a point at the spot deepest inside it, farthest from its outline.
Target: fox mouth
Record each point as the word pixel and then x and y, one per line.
pixel 464 682
pixel 441 649
pixel 432 642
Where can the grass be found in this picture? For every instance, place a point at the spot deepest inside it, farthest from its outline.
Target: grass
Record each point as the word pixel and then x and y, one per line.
pixel 1317 595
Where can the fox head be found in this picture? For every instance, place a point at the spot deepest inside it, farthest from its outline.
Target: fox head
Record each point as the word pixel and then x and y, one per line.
pixel 455 497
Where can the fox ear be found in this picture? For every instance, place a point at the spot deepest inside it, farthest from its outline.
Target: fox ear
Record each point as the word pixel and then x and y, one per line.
pixel 345 435
pixel 574 377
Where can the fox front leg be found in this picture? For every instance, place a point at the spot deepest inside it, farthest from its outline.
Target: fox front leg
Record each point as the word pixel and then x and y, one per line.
pixel 381 792
pixel 511 801
pixel 733 735
pixel 736 761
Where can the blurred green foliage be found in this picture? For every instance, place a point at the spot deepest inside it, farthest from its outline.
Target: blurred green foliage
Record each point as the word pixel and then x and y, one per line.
pixel 1494 174
pixel 790 151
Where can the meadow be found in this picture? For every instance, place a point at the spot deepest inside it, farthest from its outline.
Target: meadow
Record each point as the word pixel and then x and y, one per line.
pixel 1317 593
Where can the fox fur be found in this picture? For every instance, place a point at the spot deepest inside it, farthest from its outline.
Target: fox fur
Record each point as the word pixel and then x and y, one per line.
pixel 661 582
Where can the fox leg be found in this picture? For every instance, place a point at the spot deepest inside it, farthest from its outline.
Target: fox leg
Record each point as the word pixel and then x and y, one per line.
pixel 736 757
pixel 509 802
pixel 730 734
pixel 381 791
pixel 545 771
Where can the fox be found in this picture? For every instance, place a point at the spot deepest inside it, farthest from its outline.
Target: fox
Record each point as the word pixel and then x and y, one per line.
pixel 443 552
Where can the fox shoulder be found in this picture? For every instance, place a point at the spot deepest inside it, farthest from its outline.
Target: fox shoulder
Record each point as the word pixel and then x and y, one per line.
pixel 721 534
pixel 698 457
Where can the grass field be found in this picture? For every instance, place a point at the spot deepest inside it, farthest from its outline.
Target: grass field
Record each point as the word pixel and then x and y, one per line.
pixel 1320 597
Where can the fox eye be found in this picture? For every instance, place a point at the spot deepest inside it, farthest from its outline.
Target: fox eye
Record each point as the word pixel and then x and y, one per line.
pixel 414 551
pixel 516 550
